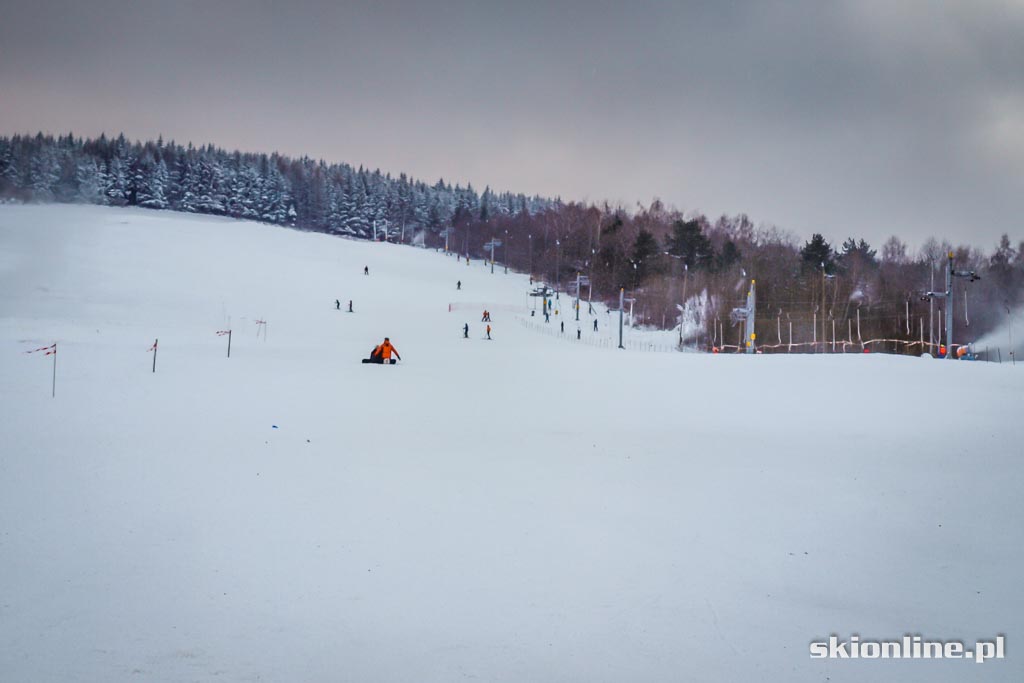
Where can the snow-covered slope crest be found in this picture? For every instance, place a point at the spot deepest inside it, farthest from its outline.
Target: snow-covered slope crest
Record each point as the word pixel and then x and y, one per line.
pixel 524 508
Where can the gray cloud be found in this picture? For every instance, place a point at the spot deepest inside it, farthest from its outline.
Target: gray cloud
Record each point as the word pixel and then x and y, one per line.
pixel 848 118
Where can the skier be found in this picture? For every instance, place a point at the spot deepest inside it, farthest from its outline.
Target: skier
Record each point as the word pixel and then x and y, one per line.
pixel 465 331
pixel 595 324
pixel 488 331
pixel 337 305
pixel 366 270
pixel 458 285
pixel 350 305
pixel 547 317
pixel 578 332
pixel 563 326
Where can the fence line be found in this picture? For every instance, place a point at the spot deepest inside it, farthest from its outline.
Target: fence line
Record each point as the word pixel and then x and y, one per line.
pixel 552 330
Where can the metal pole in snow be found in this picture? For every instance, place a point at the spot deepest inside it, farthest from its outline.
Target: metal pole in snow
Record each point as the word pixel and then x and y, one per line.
pixel 53 393
pixel 931 311
pixel 229 343
pixel 622 295
pixel 949 307
pixel 154 354
pixel 577 297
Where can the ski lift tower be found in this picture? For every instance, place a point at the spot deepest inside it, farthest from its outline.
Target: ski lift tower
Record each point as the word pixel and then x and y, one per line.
pixel 948 296
pixel 746 316
pixel 446 233
pixel 491 245
pixel 581 281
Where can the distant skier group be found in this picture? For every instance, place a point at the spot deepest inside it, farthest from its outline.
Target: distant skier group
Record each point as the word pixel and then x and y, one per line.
pixel 465 330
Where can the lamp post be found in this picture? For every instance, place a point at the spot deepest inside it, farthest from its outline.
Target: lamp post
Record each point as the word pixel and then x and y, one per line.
pixel 622 296
pixel 590 286
pixel 529 238
pixel 824 299
pixel 558 263
pixel 682 306
pixel 577 296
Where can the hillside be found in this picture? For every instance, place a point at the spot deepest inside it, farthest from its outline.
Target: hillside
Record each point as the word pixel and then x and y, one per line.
pixel 524 508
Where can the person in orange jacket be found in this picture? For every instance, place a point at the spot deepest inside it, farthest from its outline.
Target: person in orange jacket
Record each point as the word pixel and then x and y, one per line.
pixel 382 353
pixel 386 349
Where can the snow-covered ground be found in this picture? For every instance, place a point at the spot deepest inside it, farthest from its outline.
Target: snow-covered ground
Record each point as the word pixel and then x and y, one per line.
pixel 522 509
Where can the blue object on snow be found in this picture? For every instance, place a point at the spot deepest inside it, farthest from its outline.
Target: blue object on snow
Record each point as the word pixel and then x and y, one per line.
pixel 273 426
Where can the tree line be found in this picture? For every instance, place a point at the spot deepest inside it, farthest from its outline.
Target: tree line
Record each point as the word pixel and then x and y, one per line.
pixel 304 193
pixel 685 271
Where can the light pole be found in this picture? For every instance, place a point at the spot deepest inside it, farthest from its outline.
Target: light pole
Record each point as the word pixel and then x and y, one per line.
pixel 558 263
pixel 529 238
pixel 824 300
pixel 590 286
pixel 682 307
pixel 1009 329
pixel 622 301
pixel 577 296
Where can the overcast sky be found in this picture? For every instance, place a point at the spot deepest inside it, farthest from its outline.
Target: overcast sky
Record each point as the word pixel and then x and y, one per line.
pixel 847 118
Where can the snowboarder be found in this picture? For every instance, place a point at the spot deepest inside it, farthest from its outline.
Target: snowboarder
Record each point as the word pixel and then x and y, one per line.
pixel 465 331
pixel 337 305
pixel 366 270
pixel 488 331
pixel 381 353
pixel 458 285
pixel 350 305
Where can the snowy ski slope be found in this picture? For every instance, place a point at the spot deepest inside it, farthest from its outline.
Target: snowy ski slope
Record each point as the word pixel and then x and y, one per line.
pixel 521 509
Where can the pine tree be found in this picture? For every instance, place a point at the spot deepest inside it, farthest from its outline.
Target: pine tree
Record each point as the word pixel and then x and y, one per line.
pixel 91 183
pixel 151 185
pixel 690 244
pixel 817 254
pixel 116 188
